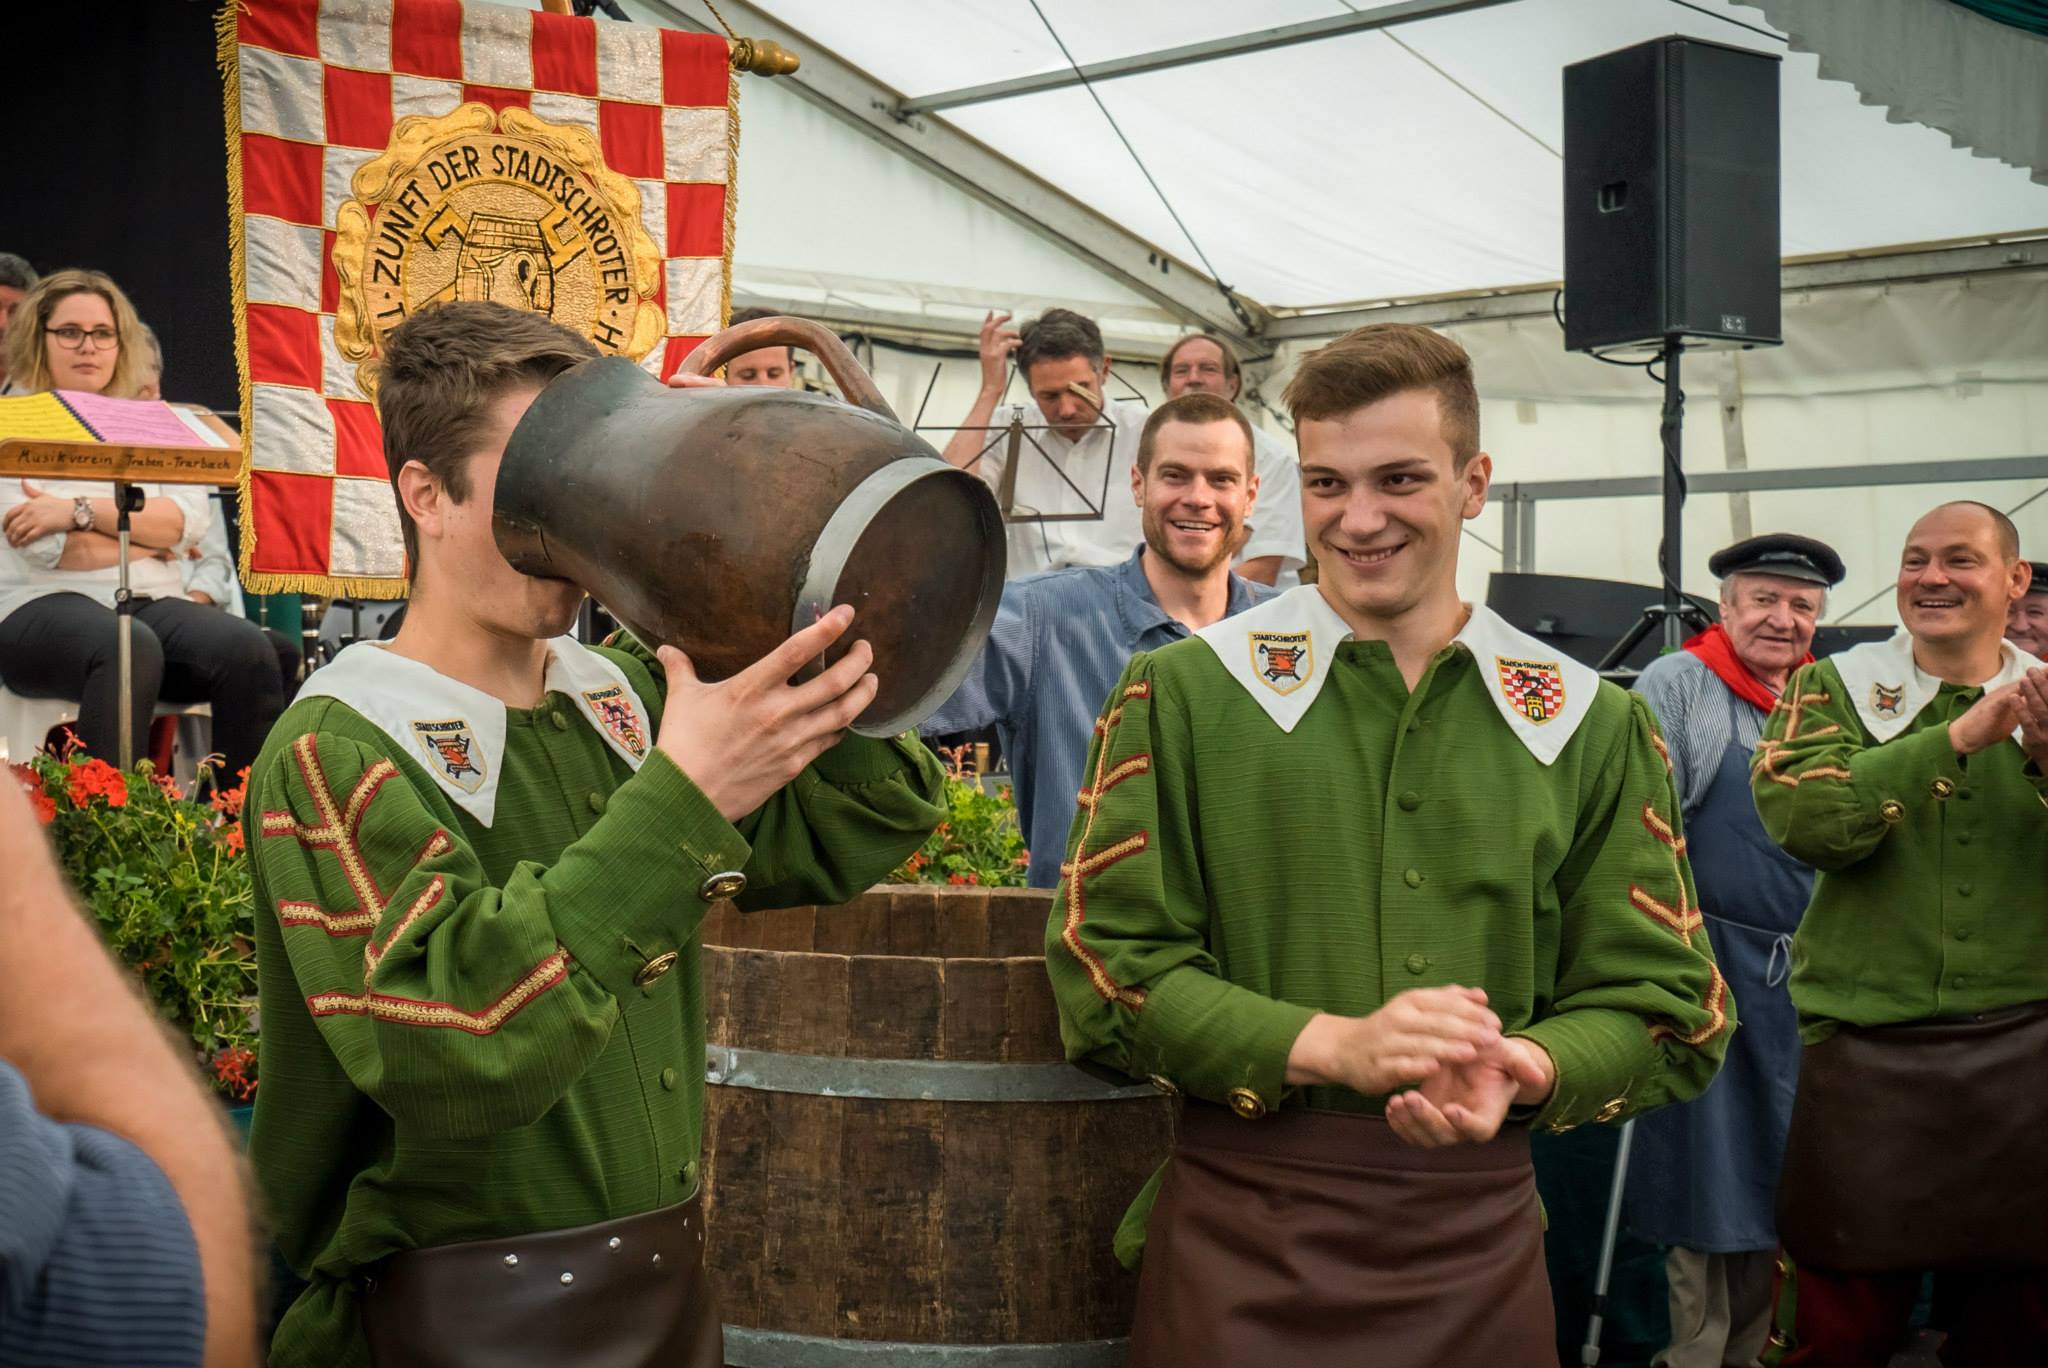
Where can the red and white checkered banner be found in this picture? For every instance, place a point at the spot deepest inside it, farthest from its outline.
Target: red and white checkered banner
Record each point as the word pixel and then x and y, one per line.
pixel 388 154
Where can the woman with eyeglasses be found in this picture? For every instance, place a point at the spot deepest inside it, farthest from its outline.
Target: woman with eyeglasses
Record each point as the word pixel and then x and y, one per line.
pixel 76 330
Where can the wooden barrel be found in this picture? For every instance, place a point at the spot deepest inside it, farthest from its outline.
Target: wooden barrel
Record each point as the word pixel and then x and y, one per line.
pixel 899 1166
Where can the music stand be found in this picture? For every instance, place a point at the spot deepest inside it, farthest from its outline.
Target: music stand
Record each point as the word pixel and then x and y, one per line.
pixel 1014 434
pixel 125 465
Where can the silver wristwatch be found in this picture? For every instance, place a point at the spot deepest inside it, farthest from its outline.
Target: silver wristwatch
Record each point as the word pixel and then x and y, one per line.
pixel 81 514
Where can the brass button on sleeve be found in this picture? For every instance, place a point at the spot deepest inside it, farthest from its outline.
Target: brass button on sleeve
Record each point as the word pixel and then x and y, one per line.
pixel 1247 1103
pixel 1892 810
pixel 1165 1085
pixel 655 968
pixel 1611 1110
pixel 728 883
pixel 1942 787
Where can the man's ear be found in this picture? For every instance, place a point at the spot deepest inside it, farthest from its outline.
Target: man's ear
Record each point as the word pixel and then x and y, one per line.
pixel 422 497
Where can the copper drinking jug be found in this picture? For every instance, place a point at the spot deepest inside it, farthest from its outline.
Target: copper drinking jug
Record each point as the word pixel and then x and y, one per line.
pixel 722 520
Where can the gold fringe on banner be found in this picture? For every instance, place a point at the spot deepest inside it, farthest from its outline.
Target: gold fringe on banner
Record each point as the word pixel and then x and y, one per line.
pixel 732 190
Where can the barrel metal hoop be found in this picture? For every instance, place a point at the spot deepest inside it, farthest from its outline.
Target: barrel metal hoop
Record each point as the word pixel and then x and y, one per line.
pixel 746 1348
pixel 915 1080
pixel 834 547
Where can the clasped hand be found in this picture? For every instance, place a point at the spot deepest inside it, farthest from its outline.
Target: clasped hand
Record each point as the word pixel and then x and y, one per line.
pixel 2022 704
pixel 1442 1044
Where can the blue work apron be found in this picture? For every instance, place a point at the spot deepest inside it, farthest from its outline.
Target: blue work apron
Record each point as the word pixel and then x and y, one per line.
pixel 1704 1174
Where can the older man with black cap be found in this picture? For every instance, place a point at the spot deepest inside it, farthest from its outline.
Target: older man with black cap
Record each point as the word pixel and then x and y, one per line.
pixel 1705 1173
pixel 2026 621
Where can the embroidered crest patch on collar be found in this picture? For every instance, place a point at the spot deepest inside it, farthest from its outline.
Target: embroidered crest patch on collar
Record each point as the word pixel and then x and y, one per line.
pixel 1282 661
pixel 1887 700
pixel 1535 688
pixel 614 709
pixel 452 752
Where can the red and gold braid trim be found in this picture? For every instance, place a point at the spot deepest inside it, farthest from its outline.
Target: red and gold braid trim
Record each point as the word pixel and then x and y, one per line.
pixel 1716 1003
pixel 1085 865
pixel 312 914
pixel 417 1012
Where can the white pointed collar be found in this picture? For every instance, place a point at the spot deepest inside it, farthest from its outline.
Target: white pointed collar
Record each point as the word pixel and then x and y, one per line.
pixel 1888 688
pixel 457 733
pixel 1280 652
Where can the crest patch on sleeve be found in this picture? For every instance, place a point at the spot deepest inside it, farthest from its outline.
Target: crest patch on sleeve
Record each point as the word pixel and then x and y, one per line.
pixel 1282 661
pixel 614 709
pixel 451 747
pixel 1535 688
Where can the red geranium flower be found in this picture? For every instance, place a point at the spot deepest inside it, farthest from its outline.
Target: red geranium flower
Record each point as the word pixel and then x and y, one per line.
pixel 92 779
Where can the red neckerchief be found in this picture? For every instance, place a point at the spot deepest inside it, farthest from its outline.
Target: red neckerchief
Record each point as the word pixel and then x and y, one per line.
pixel 1717 652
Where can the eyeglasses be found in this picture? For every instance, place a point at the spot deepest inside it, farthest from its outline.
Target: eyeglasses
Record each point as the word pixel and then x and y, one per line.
pixel 71 337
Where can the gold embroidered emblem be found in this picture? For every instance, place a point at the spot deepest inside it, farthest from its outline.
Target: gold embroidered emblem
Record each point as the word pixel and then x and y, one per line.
pixel 1534 688
pixel 452 752
pixel 616 713
pixel 1283 661
pixel 504 206
pixel 1887 699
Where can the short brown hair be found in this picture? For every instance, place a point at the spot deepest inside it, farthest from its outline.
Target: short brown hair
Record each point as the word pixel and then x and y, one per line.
pixel 1379 360
pixel 1231 370
pixel 440 371
pixel 28 347
pixel 1198 407
pixel 1056 335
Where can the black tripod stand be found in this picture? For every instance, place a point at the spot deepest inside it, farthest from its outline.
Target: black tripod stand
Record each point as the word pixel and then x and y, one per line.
pixel 1676 613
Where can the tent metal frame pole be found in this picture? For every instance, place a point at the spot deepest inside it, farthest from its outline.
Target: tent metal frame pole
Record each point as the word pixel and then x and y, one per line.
pixel 859 100
pixel 1215 49
pixel 1796 277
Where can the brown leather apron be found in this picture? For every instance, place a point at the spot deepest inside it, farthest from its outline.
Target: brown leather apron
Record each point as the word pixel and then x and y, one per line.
pixel 1921 1146
pixel 1308 1238
pixel 629 1293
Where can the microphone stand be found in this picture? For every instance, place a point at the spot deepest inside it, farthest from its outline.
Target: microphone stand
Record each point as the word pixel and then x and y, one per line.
pixel 127 500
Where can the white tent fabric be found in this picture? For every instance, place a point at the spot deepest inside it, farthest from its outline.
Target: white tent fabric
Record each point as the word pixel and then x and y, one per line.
pixel 1353 168
pixel 1415 160
pixel 1983 83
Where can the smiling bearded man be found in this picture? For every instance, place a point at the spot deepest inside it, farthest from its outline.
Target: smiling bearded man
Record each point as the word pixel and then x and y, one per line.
pixel 1913 773
pixel 1379 882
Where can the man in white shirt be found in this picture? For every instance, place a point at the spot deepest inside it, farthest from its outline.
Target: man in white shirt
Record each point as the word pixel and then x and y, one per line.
pixel 1068 502
pixel 1275 547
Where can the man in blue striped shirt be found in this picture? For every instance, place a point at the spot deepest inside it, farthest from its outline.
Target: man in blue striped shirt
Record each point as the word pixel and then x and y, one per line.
pixel 1062 638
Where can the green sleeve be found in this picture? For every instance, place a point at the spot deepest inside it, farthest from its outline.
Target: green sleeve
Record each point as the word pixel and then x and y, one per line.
pixel 1127 944
pixel 466 1008
pixel 1640 1015
pixel 851 816
pixel 1826 795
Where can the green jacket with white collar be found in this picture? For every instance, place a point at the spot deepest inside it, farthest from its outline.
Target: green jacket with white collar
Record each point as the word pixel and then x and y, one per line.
pixel 1275 825
pixel 1931 864
pixel 479 1027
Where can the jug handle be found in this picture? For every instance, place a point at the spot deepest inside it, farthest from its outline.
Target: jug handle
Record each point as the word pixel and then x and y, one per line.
pixel 783 331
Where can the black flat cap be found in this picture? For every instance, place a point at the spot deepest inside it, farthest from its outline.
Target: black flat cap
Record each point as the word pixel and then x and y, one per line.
pixel 1779 553
pixel 2040 584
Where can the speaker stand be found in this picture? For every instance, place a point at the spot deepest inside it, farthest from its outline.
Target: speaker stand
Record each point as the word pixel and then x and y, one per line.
pixel 1675 613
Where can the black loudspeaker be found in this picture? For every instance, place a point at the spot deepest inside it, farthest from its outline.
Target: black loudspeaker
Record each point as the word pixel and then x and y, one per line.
pixel 1671 197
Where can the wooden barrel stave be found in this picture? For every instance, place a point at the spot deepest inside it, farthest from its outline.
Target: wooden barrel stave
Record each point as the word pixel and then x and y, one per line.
pixel 937 1223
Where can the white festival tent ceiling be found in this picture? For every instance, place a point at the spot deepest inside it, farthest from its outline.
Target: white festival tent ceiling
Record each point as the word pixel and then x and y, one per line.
pixel 1416 159
pixel 1409 171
